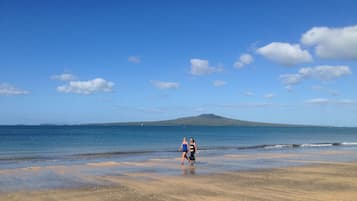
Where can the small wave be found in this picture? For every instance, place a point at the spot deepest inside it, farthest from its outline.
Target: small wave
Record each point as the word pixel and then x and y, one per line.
pixel 349 143
pixel 279 146
pixel 15 159
pixel 318 145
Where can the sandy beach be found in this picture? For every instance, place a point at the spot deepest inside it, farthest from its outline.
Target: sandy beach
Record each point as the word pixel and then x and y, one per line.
pixel 320 180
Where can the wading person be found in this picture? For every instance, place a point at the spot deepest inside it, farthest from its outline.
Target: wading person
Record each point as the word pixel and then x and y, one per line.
pixel 184 150
pixel 193 149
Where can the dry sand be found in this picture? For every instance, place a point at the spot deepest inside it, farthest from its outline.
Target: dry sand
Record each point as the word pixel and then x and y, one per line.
pixel 327 181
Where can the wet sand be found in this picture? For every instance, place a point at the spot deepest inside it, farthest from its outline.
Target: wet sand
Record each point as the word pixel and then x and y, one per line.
pixel 321 181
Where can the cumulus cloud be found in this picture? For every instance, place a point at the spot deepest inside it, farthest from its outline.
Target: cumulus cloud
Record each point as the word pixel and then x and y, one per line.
pixel 219 83
pixel 165 85
pixel 244 59
pixel 134 59
pixel 87 87
pixel 332 43
pixel 323 73
pixel 202 67
pixel 9 90
pixel 285 54
pixel 64 77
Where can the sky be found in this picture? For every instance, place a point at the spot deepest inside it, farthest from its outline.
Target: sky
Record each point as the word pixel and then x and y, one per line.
pixel 69 62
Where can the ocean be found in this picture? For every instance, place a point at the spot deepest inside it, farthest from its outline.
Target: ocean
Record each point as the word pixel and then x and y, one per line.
pixel 124 149
pixel 21 145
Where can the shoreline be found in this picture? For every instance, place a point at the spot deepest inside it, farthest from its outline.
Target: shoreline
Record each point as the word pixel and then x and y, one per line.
pixel 327 181
pixel 313 175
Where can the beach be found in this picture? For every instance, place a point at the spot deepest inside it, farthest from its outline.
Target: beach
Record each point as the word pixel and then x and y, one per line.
pixel 178 100
pixel 46 163
pixel 308 180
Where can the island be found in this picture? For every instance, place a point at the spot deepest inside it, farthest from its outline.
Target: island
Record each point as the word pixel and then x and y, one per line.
pixel 200 120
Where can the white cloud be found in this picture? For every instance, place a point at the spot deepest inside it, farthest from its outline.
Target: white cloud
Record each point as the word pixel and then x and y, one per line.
pixel 219 83
pixel 134 59
pixel 332 43
pixel 269 96
pixel 87 87
pixel 64 77
pixel 324 101
pixel 201 67
pixel 317 101
pixel 285 54
pixel 165 85
pixel 323 73
pixel 244 59
pixel 290 79
pixel 9 90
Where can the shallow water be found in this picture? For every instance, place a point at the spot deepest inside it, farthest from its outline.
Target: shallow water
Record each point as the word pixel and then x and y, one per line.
pixel 66 156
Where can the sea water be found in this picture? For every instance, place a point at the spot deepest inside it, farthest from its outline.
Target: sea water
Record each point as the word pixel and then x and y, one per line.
pixel 23 145
pixel 63 153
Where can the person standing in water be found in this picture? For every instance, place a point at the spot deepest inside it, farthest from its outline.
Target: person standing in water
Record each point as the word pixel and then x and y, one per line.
pixel 184 150
pixel 193 149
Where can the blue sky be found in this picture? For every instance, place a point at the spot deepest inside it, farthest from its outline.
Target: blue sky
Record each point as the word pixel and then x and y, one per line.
pixel 103 61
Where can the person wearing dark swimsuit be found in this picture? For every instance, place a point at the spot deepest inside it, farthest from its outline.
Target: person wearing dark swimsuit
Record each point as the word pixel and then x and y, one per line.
pixel 193 149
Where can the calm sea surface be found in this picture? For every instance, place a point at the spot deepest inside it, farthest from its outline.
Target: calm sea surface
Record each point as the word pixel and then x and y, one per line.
pixel 28 145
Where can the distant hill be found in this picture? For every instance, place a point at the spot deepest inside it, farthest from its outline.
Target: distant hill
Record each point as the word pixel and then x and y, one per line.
pixel 200 120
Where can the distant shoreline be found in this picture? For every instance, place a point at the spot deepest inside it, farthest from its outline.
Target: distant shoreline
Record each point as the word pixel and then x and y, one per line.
pixel 209 120
pixel 188 126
